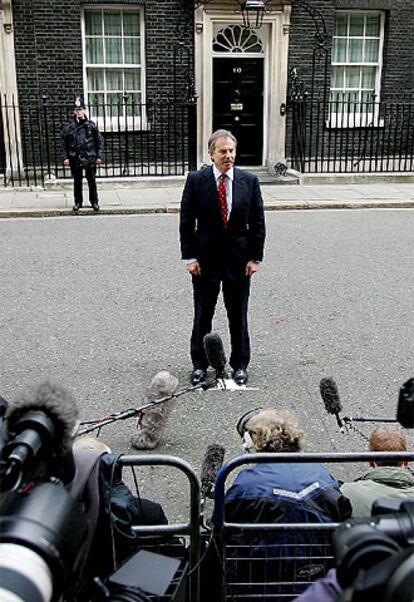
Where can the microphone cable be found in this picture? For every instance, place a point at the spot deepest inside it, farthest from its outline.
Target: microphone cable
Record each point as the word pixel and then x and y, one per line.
pixel 97 424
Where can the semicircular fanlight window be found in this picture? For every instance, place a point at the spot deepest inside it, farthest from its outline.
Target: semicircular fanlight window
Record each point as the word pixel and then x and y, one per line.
pixel 235 38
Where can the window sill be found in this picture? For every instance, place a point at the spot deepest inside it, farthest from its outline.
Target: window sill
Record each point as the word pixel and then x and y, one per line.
pixel 114 126
pixel 338 122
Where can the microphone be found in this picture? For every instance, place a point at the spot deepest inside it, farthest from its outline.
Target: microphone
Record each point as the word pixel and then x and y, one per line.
pixel 405 408
pixel 153 416
pixel 330 398
pixel 213 346
pixel 44 416
pixel 162 384
pixel 213 461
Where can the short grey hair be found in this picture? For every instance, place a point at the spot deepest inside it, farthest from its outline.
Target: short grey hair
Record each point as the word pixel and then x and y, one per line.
pixel 220 134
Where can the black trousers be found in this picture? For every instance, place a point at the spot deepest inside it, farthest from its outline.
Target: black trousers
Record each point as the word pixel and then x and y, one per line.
pixel 90 173
pixel 206 289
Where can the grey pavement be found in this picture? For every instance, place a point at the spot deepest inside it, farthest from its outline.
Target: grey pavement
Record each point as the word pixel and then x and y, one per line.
pixel 162 195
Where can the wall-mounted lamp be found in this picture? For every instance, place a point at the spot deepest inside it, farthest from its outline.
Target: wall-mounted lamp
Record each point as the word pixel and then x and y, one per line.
pixel 253 12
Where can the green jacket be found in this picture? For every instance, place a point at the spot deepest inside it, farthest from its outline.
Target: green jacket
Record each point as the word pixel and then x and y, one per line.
pixel 380 482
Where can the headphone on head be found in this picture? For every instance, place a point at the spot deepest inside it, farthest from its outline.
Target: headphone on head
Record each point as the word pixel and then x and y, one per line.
pixel 245 435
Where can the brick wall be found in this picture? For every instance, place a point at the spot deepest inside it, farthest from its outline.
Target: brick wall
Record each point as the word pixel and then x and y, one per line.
pixel 398 66
pixel 397 83
pixel 48 47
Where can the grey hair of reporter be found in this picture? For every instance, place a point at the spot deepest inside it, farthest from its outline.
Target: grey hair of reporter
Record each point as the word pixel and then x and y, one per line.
pixel 275 430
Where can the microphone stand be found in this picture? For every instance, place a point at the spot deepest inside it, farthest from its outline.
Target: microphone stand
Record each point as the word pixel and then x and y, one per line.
pixel 93 425
pixel 220 378
pixel 362 419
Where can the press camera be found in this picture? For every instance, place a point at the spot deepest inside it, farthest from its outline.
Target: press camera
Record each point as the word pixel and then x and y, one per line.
pixel 375 556
pixel 45 531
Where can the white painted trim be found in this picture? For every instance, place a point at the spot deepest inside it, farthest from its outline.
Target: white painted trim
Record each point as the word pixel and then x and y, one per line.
pixel 378 64
pixel 276 42
pixel 8 87
pixel 112 125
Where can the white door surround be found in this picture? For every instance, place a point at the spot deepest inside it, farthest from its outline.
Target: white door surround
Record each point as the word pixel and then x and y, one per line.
pixel 8 86
pixel 274 34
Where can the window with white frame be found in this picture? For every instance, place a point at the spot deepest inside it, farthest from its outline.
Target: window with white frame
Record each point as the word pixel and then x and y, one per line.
pixel 113 40
pixel 356 68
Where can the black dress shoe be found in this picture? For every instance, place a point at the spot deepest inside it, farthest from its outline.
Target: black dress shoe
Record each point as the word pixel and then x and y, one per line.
pixel 95 206
pixel 197 376
pixel 76 207
pixel 240 376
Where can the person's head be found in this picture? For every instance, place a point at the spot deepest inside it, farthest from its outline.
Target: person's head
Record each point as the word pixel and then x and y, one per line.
pixel 79 107
pixel 88 442
pixel 387 438
pixel 222 149
pixel 275 430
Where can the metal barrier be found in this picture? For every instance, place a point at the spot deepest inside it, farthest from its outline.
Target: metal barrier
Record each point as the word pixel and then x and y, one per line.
pixel 252 566
pixel 188 572
pixel 332 136
pixel 156 138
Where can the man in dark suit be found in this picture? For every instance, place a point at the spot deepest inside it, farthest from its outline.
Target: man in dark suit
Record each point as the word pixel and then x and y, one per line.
pixel 222 231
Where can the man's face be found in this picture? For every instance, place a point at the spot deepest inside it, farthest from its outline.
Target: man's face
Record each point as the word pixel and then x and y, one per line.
pixel 224 154
pixel 79 113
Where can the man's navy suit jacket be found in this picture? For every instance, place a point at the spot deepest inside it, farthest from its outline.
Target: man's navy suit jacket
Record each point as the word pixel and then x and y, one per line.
pixel 202 232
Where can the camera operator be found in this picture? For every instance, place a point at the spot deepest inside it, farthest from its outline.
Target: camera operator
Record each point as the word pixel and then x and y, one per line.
pixel 66 516
pixel 271 492
pixel 280 492
pixel 384 479
pixel 111 507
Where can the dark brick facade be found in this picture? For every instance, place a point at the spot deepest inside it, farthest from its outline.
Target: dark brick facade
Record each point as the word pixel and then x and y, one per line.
pixel 398 65
pixel 309 140
pixel 48 47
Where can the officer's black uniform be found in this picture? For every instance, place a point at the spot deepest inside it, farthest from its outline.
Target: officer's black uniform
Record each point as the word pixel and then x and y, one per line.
pixel 82 144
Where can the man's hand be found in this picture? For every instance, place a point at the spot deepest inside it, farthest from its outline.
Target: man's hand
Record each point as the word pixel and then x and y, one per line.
pixel 194 268
pixel 252 267
pixel 66 162
pixel 98 161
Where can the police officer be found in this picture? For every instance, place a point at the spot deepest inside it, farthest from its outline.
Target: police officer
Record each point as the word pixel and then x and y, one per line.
pixel 82 150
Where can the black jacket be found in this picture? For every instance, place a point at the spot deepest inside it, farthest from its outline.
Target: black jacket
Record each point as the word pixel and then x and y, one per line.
pixel 82 143
pixel 202 233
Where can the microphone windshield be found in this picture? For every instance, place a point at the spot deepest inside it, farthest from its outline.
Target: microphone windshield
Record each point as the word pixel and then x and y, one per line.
pixel 330 395
pixel 162 384
pixel 213 346
pixel 57 403
pixel 405 408
pixel 213 461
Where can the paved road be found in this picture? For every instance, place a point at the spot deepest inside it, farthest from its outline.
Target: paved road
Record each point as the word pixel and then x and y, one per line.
pixel 100 305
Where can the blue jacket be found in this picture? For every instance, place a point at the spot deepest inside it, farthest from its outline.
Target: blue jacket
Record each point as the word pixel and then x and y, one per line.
pixel 288 493
pixel 285 493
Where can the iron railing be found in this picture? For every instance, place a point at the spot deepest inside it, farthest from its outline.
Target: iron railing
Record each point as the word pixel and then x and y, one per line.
pixel 346 136
pixel 156 138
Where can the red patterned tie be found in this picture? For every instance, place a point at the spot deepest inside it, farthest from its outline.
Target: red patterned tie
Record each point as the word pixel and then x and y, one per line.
pixel 223 198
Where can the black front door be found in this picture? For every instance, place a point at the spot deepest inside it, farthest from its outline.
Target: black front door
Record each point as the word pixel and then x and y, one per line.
pixel 238 104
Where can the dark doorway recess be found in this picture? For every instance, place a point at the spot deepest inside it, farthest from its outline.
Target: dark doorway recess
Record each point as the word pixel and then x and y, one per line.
pixel 238 104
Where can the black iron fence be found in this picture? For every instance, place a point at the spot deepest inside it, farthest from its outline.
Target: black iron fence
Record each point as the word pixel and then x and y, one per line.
pixel 344 136
pixel 156 138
